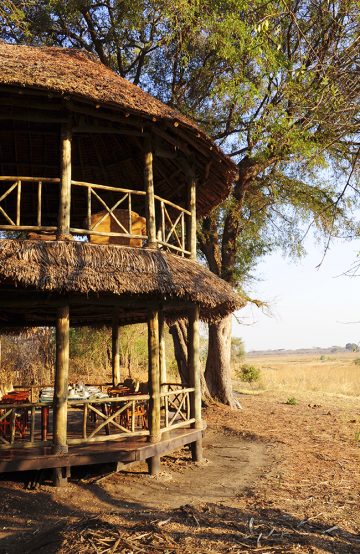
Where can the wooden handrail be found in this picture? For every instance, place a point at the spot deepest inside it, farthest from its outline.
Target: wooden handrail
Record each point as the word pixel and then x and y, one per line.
pixel 108 400
pixel 174 392
pixel 169 203
pixel 172 234
pixel 5 405
pixel 108 187
pixel 31 179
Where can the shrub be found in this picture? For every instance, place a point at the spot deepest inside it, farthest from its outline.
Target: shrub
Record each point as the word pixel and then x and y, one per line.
pixel 357 361
pixel 248 373
pixel 292 401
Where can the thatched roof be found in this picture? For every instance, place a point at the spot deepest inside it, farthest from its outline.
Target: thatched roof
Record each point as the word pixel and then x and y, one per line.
pixel 98 271
pixel 74 75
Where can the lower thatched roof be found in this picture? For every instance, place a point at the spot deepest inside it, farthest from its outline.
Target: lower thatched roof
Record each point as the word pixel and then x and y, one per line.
pixel 89 269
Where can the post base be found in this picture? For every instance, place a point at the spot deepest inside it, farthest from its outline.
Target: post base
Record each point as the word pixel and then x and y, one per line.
pixel 154 464
pixel 60 449
pixel 197 451
pixel 60 476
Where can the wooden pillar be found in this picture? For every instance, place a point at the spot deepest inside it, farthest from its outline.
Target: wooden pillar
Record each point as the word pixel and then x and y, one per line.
pixel 191 228
pixel 163 372
pixel 150 199
pixel 65 183
pixel 61 392
pixel 194 378
pixel 154 385
pixel 61 381
pixel 116 377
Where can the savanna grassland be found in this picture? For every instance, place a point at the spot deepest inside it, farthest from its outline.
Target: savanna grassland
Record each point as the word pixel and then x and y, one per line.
pixel 296 373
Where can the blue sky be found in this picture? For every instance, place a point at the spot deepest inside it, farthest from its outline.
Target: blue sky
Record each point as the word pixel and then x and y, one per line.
pixel 309 307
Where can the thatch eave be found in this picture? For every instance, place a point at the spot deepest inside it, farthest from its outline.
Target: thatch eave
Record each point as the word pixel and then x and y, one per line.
pixel 92 270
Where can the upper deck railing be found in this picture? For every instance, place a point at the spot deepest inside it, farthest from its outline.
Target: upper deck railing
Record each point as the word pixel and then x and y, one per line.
pixel 102 214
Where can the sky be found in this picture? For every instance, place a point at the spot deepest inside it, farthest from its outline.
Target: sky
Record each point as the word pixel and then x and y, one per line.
pixel 309 307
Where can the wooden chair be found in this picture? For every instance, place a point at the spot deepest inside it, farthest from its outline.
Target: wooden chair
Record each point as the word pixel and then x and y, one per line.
pixel 20 416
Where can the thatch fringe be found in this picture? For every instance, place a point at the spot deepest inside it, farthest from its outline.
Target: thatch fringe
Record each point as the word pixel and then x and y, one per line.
pixel 76 267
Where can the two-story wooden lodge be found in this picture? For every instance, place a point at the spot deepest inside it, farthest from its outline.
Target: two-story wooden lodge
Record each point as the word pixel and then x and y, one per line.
pixel 101 186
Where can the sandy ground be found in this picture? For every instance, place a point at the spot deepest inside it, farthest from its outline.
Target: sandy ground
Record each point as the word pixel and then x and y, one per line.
pixel 276 478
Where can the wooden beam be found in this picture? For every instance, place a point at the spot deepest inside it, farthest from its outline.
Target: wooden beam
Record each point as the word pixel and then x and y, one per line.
pixel 61 380
pixel 191 227
pixel 154 375
pixel 150 199
pixel 164 134
pixel 116 378
pixel 23 298
pixel 65 184
pixel 194 378
pixel 162 357
pixel 30 116
pixel 9 97
pixel 95 129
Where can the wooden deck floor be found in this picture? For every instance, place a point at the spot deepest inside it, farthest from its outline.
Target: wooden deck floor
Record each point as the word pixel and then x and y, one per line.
pixel 124 450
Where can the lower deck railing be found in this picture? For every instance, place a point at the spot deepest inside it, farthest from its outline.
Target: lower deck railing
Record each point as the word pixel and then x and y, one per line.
pixel 118 418
pixel 95 420
pixel 24 424
pixel 175 401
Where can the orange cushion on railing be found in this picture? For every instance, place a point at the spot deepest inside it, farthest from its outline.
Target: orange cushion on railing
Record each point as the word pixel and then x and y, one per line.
pixel 110 225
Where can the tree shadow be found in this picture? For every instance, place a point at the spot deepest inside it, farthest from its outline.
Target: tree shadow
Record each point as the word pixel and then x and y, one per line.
pixel 227 525
pixel 37 521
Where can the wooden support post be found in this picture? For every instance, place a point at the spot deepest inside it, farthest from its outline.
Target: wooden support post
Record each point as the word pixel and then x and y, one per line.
pixel 32 423
pixel 150 199
pixel 162 359
pixel 194 377
pixel 191 228
pixel 116 378
pixel 60 476
pixel 154 384
pixel 61 381
pixel 154 464
pixel 65 185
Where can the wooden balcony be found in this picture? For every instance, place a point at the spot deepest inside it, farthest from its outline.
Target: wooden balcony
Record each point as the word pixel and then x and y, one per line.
pixel 98 213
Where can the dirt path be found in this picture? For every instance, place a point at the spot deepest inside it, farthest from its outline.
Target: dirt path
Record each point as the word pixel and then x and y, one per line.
pixel 230 463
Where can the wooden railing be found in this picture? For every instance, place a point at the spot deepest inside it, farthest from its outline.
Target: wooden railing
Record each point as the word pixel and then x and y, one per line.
pixel 124 203
pixel 95 420
pixel 119 417
pixel 20 426
pixel 13 219
pixel 172 220
pixel 176 406
pixel 172 231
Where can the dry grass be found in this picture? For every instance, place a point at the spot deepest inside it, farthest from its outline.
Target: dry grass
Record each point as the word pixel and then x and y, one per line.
pixel 332 374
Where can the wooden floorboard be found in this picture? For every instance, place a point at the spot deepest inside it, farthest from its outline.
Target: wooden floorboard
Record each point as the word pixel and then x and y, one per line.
pixel 126 451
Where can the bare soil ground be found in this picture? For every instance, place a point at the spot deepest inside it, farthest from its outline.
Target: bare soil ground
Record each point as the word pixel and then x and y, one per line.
pixel 277 478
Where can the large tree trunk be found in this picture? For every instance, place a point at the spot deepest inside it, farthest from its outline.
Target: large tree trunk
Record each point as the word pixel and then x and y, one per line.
pixel 220 252
pixel 218 366
pixel 178 331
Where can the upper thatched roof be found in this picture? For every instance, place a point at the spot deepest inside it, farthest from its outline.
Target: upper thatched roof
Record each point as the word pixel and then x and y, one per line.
pixel 131 273
pixel 73 74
